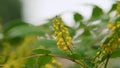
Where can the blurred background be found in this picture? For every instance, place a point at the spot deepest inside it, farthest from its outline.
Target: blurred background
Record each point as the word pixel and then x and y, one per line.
pixel 38 12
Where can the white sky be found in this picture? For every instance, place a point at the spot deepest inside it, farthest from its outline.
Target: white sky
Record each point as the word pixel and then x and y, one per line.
pixel 38 11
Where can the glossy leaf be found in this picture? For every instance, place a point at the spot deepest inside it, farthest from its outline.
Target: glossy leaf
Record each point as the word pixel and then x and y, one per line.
pixel 42 60
pixel 71 31
pixel 46 43
pixel 13 24
pixel 116 53
pixel 75 56
pixel 113 8
pixel 24 30
pixel 96 13
pixel 41 51
pixel 30 63
pixel 78 17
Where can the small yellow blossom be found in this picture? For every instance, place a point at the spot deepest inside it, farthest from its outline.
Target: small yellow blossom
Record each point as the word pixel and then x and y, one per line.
pixel 61 33
pixel 48 66
pixel 110 26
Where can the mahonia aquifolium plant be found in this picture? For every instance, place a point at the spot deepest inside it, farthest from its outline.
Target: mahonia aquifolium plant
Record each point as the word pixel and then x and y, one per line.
pixel 64 41
pixel 38 54
pixel 111 42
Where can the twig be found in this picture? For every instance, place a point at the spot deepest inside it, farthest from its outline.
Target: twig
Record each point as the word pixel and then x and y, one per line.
pixel 78 62
pixel 107 60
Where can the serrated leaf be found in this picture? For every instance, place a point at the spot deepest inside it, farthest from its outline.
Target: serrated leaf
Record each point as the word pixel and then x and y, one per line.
pixel 116 53
pixel 89 63
pixel 78 17
pixel 82 25
pixel 71 31
pixel 113 8
pixel 47 27
pixel 96 13
pixel 41 51
pixel 86 32
pixel 24 30
pixel 75 56
pixel 57 51
pixel 42 60
pixel 13 24
pixel 30 63
pixel 46 43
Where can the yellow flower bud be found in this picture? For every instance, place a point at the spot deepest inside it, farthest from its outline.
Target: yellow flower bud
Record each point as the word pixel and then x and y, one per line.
pixel 110 26
pixel 68 38
pixel 54 61
pixel 60 40
pixel 118 39
pixel 65 48
pixel 113 28
pixel 56 28
pixel 48 66
pixel 61 34
pixel 69 43
pixel 59 64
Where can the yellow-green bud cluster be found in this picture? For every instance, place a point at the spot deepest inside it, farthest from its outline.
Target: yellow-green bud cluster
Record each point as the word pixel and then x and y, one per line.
pixel 118 8
pixel 61 33
pixel 53 64
pixel 111 42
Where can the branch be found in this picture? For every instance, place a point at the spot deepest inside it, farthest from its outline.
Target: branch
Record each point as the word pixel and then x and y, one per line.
pixel 78 62
pixel 107 60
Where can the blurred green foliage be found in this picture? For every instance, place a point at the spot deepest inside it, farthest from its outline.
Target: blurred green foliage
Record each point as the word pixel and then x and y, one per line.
pixel 10 10
pixel 23 45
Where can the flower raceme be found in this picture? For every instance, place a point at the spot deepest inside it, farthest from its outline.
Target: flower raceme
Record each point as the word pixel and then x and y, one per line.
pixel 111 42
pixel 61 34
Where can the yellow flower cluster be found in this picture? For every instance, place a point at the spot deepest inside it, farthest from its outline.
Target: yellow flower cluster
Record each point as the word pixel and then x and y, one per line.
pixel 118 8
pixel 54 63
pixel 113 27
pixel 61 33
pixel 48 66
pixel 111 42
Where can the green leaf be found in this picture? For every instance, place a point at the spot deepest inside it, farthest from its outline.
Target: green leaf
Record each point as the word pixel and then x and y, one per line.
pixel 116 19
pixel 86 32
pixel 82 25
pixel 42 60
pixel 116 53
pixel 30 63
pixel 89 63
pixel 113 8
pixel 46 43
pixel 57 51
pixel 71 31
pixel 75 56
pixel 91 52
pixel 24 30
pixel 41 51
pixel 78 17
pixel 96 13
pixel 13 24
pixel 47 27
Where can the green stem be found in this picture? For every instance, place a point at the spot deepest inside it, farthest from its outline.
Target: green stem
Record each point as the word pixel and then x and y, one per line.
pixel 107 60
pixel 78 62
